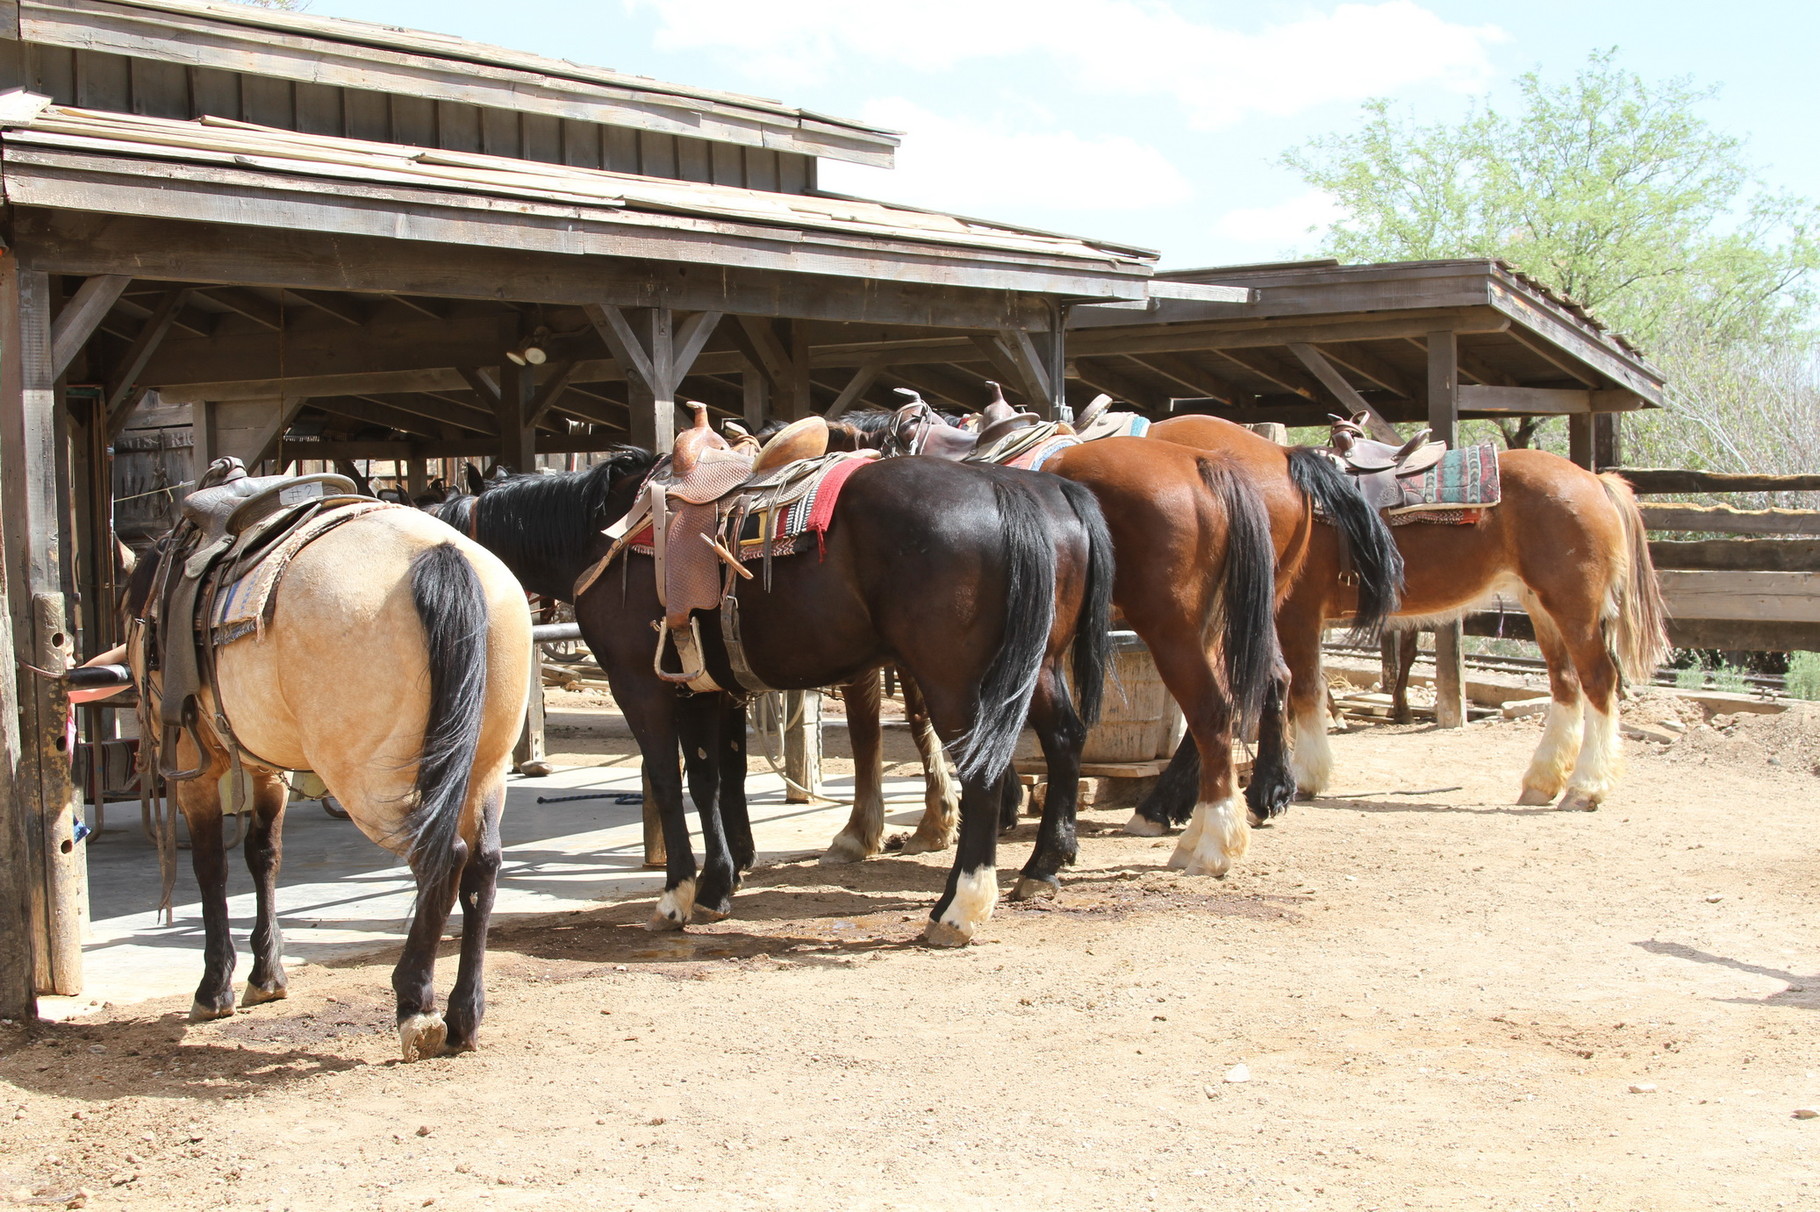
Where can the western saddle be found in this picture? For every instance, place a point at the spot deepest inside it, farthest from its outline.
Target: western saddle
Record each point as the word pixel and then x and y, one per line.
pixel 693 506
pixel 228 525
pixel 1377 467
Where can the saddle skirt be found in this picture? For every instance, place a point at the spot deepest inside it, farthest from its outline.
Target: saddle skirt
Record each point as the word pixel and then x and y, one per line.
pixel 1450 486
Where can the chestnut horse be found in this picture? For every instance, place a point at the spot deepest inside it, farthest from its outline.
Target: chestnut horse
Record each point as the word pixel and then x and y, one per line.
pixel 1195 581
pixel 973 580
pixel 1567 544
pixel 394 665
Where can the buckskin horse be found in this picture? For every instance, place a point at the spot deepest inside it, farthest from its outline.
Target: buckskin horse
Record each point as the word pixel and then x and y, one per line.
pixel 393 663
pixel 973 580
pixel 1567 544
pixel 1195 581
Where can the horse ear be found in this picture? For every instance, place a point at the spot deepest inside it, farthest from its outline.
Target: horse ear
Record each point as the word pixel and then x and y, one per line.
pixel 476 485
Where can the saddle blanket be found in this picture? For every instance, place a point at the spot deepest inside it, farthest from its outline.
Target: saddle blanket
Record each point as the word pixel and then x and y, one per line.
pixel 242 605
pixel 1463 480
pixel 805 510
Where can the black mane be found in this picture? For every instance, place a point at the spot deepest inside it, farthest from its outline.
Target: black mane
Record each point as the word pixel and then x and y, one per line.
pixel 543 526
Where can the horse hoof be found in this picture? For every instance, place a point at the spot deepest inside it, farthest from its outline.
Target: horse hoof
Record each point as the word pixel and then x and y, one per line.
pixel 844 849
pixel 1580 801
pixel 661 922
pixel 1535 797
pixel 1216 870
pixel 1030 888
pixel 1257 819
pixel 254 995
pixel 421 1036
pixel 1180 858
pixel 947 934
pixel 202 1012
pixel 1142 826
pixel 674 908
pixel 704 914
pixel 916 843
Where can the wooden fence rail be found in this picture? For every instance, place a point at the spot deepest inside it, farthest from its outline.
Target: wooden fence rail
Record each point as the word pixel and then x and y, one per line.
pixel 1652 480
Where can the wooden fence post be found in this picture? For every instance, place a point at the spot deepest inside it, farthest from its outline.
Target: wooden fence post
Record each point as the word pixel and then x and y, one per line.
pixel 802 744
pixel 1444 420
pixel 43 795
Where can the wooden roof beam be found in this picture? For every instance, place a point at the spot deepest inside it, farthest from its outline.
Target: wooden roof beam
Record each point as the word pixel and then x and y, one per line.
pixel 255 307
pixel 1257 362
pixel 124 382
pixel 1194 379
pixel 1107 376
pixel 1344 393
pixel 1369 366
pixel 81 316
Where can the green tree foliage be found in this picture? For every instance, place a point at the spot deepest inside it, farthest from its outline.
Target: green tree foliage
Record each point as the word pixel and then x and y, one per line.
pixel 1609 188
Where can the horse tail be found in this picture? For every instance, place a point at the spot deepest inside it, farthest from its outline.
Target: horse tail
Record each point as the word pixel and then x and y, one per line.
pixel 1092 630
pixel 1246 602
pixel 1028 559
pixel 452 605
pixel 1639 616
pixel 1363 537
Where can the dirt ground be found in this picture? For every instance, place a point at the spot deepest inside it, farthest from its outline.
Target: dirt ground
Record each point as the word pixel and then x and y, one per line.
pixel 1409 994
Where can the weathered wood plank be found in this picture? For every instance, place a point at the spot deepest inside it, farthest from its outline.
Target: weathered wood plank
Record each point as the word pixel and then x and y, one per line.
pixel 283 255
pixel 509 80
pixel 621 146
pixel 761 168
pixel 77 322
pixel 1344 393
pixel 542 136
pixel 694 162
pixel 1647 480
pixel 368 115
pixel 1742 555
pixel 1773 597
pixel 1723 519
pixel 581 145
pixel 457 126
pixel 657 154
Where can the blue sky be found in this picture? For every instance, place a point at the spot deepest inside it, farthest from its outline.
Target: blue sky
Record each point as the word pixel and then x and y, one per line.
pixel 1157 122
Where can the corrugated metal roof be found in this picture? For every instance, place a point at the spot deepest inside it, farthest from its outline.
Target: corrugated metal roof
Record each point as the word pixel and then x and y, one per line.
pixel 31 121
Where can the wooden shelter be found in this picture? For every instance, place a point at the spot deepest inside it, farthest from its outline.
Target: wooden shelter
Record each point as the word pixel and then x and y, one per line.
pixel 335 240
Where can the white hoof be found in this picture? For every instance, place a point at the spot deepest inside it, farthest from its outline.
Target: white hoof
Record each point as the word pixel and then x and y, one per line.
pixel 674 908
pixel 1581 800
pixel 200 1013
pixel 254 995
pixel 1217 869
pixel 1142 826
pixel 947 934
pixel 422 1035
pixel 1215 837
pixel 1535 796
pixel 845 848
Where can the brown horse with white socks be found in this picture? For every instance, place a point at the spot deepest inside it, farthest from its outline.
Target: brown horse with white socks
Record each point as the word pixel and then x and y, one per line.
pixel 1565 543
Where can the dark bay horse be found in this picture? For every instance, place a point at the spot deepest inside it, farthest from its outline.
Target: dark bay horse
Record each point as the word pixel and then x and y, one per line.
pixel 394 665
pixel 973 580
pixel 1195 581
pixel 1567 544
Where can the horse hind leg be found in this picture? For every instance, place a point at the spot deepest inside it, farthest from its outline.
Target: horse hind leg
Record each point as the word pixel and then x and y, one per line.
pixel 1601 758
pixel 479 882
pixel 864 833
pixel 941 793
pixel 1217 833
pixel 421 1030
pixel 1311 755
pixel 971 894
pixel 1559 749
pixel 264 853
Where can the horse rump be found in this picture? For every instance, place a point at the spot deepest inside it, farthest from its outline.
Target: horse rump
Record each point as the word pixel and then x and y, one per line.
pixel 452 605
pixel 1639 615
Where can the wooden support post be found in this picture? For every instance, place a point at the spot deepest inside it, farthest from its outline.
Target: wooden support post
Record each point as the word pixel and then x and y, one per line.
pixel 655 352
pixel 802 744
pixel 77 322
pixel 1349 397
pixel 43 799
pixel 1444 420
pixel 1608 441
pixel 517 435
pixel 529 755
pixel 1580 439
pixel 18 951
pixel 416 476
pixel 756 391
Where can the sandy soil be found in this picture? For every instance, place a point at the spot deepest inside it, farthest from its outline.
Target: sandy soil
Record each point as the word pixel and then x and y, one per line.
pixel 1435 1000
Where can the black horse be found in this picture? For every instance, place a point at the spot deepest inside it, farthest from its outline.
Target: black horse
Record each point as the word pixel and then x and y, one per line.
pixel 973 580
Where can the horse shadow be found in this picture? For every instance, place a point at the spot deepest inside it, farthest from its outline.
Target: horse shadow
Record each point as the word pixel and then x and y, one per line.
pixel 1802 991
pixel 166 1057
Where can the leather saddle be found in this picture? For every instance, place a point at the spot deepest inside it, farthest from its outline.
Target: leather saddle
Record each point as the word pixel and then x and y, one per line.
pixel 1378 466
pixel 916 429
pixel 228 523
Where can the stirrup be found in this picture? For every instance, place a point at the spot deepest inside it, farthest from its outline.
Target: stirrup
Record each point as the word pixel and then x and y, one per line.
pixel 688 645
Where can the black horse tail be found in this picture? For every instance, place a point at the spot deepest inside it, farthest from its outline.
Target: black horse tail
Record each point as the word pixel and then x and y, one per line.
pixel 1092 629
pixel 453 607
pixel 1247 598
pixel 1028 554
pixel 1363 537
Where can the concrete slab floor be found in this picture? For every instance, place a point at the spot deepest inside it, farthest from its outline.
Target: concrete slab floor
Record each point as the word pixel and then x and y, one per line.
pixel 340 895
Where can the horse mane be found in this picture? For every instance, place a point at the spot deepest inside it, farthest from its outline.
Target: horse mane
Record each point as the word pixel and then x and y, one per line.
pixel 550 520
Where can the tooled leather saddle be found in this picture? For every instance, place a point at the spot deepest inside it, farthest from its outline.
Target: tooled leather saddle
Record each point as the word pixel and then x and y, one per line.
pixel 228 525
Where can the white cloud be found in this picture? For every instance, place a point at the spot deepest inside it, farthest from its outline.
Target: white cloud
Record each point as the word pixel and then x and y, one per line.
pixel 1218 74
pixel 1283 225
pixel 990 170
